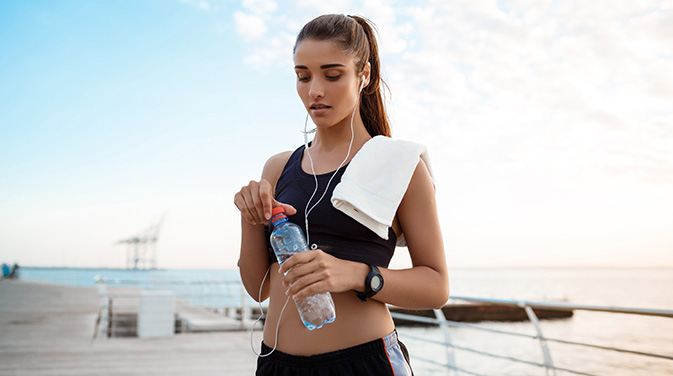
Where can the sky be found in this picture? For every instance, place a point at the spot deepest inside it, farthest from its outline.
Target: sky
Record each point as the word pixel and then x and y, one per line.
pixel 549 124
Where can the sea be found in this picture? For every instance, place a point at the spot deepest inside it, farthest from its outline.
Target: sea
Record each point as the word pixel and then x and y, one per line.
pixel 490 352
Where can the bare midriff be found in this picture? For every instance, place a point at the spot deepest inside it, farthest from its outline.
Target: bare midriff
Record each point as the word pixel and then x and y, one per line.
pixel 356 323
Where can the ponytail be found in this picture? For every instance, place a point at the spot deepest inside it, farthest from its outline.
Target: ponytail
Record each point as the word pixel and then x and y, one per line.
pixel 355 35
pixel 372 109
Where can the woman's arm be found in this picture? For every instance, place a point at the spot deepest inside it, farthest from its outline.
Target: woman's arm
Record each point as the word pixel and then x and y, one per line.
pixel 255 201
pixel 425 285
pixel 254 260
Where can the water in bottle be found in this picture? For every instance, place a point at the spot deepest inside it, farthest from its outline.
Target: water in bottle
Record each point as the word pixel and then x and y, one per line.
pixel 287 239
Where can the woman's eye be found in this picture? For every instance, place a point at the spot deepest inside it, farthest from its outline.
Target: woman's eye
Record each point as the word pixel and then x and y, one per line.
pixel 336 77
pixel 303 78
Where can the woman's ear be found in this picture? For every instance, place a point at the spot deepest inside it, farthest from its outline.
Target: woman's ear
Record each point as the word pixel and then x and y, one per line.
pixel 366 73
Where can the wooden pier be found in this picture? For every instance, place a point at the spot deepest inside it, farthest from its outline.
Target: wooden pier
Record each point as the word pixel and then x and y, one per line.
pixel 48 330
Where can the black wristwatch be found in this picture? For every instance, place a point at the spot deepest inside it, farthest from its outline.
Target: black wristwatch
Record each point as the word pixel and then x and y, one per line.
pixel 373 284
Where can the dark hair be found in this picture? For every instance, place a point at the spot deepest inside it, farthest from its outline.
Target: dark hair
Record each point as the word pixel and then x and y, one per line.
pixel 355 35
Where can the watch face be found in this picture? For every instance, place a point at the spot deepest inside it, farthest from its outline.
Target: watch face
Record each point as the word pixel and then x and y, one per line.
pixel 376 283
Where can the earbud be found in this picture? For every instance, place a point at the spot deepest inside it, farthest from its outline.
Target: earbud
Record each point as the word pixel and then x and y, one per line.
pixel 362 85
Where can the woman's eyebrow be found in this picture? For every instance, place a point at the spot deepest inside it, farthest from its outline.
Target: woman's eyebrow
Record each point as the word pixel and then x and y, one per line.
pixel 326 66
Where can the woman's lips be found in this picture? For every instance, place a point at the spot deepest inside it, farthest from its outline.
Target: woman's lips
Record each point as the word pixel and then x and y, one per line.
pixel 319 109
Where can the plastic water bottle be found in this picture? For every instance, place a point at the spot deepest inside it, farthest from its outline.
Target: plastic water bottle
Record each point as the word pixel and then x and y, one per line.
pixel 286 240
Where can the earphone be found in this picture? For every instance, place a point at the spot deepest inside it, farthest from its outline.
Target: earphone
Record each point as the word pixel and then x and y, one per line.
pixel 307 211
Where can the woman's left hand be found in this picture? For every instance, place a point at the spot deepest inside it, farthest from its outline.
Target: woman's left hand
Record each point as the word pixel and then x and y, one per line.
pixel 315 271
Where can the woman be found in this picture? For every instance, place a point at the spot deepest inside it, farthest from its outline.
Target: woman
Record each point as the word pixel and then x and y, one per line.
pixel 339 81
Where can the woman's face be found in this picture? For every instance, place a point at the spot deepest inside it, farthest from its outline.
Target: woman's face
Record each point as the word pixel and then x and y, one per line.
pixel 326 81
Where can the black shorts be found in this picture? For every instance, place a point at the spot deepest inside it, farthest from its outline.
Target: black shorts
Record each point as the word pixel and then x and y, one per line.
pixel 384 356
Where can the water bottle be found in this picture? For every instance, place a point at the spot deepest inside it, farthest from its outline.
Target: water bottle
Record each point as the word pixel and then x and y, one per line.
pixel 286 240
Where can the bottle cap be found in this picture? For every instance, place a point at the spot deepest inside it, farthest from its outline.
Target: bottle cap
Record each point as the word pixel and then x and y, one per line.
pixel 277 210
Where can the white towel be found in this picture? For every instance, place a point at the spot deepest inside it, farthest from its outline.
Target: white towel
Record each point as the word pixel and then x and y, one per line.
pixel 376 180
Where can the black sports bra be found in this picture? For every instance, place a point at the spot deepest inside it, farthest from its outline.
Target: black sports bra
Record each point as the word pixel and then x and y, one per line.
pixel 330 229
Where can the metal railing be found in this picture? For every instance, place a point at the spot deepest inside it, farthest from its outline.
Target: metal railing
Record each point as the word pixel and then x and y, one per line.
pixel 211 293
pixel 227 296
pixel 529 306
pixel 223 296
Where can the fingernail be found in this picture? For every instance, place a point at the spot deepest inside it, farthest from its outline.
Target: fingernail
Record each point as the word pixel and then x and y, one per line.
pixel 253 223
pixel 267 216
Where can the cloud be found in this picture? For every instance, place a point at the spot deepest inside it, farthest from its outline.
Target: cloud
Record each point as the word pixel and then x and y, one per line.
pixel 260 6
pixel 392 33
pixel 249 26
pixel 319 7
pixel 509 77
pixel 252 24
pixel 201 4
pixel 554 87
pixel 652 168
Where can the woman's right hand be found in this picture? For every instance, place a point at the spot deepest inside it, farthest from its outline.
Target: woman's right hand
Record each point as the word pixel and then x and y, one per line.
pixel 255 202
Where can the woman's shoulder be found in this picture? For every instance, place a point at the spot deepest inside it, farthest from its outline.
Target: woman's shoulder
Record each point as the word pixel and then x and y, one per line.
pixel 275 164
pixel 278 160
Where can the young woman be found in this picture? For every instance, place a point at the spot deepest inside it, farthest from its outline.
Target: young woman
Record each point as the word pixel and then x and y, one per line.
pixel 339 81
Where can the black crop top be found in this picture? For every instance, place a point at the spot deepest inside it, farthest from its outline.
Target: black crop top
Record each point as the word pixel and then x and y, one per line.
pixel 330 229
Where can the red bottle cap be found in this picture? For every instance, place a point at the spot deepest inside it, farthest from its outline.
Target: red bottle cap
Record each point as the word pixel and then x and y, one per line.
pixel 277 210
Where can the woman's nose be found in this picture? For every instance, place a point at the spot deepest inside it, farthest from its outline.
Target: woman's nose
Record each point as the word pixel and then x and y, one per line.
pixel 317 89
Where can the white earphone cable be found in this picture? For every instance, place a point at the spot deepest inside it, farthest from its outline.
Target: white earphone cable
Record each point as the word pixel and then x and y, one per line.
pixel 307 211
pixel 262 315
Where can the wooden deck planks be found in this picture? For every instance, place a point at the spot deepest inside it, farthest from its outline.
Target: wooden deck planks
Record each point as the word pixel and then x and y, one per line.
pixel 48 329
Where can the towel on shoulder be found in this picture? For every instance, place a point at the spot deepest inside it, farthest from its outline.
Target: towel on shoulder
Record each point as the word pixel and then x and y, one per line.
pixel 376 180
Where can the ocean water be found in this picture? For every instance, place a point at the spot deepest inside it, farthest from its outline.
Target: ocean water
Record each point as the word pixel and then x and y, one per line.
pixel 635 288
pixel 85 276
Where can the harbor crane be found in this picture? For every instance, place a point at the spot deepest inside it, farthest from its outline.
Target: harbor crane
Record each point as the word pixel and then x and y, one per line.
pixel 141 249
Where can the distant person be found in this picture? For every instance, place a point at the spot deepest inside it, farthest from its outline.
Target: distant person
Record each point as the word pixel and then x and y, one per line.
pixel 339 81
pixel 5 270
pixel 14 273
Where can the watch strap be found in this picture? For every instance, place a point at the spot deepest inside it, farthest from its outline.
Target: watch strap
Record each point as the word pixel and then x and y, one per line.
pixel 369 292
